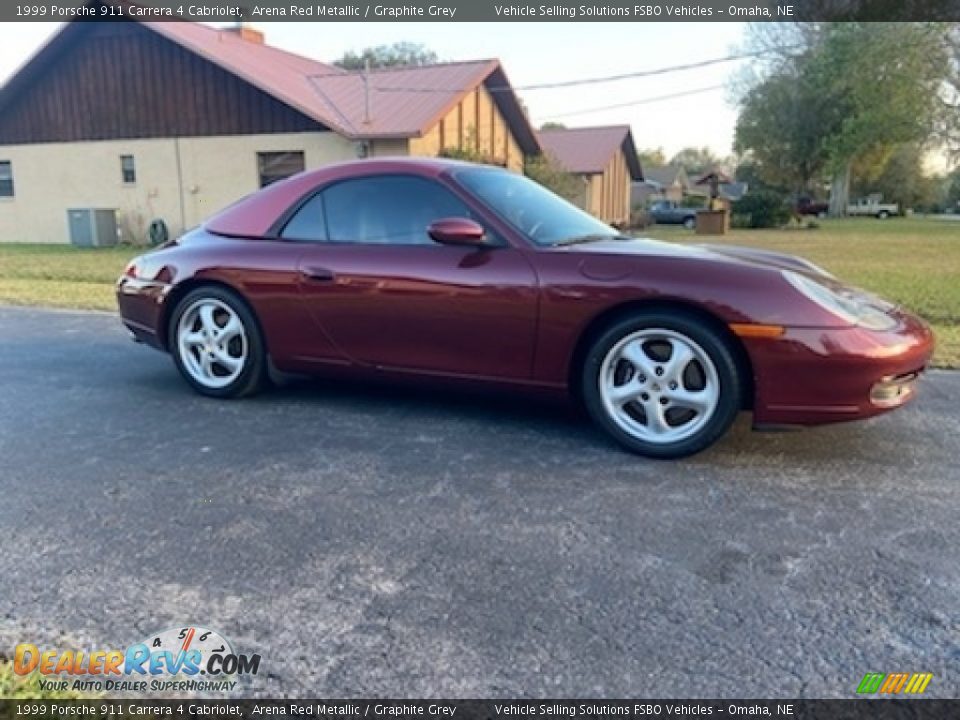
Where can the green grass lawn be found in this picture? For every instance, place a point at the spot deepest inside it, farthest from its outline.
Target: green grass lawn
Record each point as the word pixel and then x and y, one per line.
pixel 61 275
pixel 915 262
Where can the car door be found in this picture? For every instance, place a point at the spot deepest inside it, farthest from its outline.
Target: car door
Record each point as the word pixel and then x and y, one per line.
pixel 657 211
pixel 674 213
pixel 387 295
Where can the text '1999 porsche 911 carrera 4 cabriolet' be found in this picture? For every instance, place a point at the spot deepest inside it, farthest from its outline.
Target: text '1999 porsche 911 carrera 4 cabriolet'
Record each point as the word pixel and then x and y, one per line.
pixel 447 269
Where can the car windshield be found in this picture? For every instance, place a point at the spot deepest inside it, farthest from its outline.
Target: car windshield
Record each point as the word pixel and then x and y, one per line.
pixel 545 218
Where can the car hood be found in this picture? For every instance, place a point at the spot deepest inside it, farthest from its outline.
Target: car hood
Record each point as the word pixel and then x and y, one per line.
pixel 719 253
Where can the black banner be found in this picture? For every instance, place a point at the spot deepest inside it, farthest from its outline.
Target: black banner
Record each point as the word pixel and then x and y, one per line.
pixel 484 10
pixel 876 709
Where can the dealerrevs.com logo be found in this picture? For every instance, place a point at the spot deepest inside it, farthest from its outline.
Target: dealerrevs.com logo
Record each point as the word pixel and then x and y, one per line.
pixel 179 659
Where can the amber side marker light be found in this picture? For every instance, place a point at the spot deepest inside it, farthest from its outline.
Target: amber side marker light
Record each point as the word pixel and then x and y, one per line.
pixel 749 330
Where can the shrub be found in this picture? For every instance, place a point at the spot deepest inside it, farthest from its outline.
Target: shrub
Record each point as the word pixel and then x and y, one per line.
pixel 468 150
pixel 466 154
pixel 547 171
pixel 640 218
pixel 764 209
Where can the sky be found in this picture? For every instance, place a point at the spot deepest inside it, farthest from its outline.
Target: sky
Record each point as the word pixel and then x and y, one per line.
pixel 534 53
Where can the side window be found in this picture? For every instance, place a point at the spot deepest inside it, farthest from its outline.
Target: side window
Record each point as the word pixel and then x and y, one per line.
pixel 388 210
pixel 308 223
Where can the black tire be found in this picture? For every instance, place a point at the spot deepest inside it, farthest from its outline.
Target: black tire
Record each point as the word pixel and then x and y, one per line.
pixel 690 223
pixel 713 344
pixel 883 215
pixel 253 375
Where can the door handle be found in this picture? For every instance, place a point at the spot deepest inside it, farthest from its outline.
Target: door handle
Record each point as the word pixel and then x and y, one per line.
pixel 321 274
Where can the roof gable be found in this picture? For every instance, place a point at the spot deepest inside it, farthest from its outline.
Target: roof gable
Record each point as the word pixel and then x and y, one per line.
pixel 667 175
pixel 408 101
pixel 104 81
pixel 589 150
pixel 403 102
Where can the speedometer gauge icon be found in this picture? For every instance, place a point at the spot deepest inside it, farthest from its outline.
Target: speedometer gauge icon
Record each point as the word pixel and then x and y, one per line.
pixel 186 639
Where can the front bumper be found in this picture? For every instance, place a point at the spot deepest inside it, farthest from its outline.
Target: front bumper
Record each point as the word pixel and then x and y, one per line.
pixel 811 376
pixel 141 304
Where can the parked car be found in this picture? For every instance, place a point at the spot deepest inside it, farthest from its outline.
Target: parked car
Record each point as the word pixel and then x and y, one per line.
pixel 668 212
pixel 439 268
pixel 872 207
pixel 809 206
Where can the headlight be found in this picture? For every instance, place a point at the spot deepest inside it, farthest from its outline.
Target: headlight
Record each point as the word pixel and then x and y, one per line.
pixel 853 306
pixel 131 268
pixel 815 269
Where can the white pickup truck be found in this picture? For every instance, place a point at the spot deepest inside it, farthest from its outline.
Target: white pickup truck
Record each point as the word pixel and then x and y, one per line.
pixel 873 207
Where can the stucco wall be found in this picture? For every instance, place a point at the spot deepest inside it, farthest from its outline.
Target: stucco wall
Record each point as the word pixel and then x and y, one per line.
pixel 389 148
pixel 213 172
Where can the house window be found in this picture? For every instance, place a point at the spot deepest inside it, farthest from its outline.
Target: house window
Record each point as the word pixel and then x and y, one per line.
pixel 6 178
pixel 273 166
pixel 128 169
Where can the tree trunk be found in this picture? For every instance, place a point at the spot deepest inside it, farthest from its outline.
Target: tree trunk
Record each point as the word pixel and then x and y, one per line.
pixel 840 191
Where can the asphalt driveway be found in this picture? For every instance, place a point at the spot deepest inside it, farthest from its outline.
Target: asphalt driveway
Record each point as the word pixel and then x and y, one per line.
pixel 368 541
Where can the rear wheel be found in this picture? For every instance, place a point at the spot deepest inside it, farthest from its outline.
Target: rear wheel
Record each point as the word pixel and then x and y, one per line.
pixel 216 343
pixel 662 384
pixel 883 215
pixel 690 223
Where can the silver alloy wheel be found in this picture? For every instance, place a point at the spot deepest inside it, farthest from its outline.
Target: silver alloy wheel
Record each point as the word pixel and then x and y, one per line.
pixel 212 343
pixel 659 386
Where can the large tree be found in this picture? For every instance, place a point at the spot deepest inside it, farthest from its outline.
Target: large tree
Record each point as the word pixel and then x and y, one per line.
pixel 652 157
pixel 953 191
pixel 695 160
pixel 380 56
pixel 885 78
pixel 778 132
pixel 949 126
pixel 830 94
pixel 899 176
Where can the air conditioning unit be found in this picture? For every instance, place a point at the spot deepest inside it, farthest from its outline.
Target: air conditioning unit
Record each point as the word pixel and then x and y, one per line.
pixel 92 227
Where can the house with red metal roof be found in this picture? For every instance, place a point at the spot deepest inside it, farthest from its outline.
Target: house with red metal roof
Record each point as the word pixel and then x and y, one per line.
pixel 605 157
pixel 172 121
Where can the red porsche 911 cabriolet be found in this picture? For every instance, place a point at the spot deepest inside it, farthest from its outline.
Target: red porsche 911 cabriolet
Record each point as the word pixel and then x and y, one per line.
pixel 447 269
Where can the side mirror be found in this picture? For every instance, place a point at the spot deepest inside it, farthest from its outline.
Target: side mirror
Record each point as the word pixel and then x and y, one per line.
pixel 456 231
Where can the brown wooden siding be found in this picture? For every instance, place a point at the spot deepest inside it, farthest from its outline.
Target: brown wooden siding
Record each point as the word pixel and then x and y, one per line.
pixel 609 195
pixel 102 81
pixel 474 124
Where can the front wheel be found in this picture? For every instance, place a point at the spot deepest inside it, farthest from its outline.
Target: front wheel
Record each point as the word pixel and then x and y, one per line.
pixel 216 343
pixel 690 223
pixel 883 215
pixel 662 384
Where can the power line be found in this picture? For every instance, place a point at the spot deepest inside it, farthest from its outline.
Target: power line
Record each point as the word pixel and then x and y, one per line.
pixel 643 101
pixel 596 80
pixel 657 71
